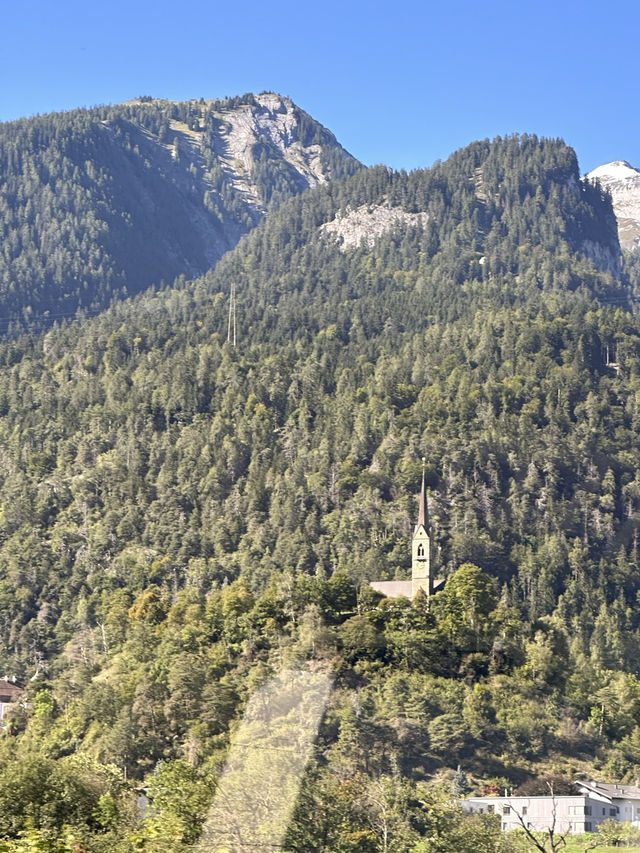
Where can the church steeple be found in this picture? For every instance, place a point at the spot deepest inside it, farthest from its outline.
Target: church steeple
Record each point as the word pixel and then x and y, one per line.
pixel 423 510
pixel 420 555
pixel 421 544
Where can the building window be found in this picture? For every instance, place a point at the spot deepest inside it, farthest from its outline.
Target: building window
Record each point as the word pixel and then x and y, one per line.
pixel 421 550
pixel 613 812
pixel 587 826
pixel 505 826
pixel 491 809
pixel 587 810
pixel 604 811
pixel 524 810
pixel 506 809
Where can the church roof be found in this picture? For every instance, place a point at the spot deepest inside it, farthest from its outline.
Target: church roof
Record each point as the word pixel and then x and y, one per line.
pixel 393 589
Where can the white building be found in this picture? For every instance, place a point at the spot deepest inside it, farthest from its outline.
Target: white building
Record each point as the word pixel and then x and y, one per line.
pixel 624 798
pixel 593 803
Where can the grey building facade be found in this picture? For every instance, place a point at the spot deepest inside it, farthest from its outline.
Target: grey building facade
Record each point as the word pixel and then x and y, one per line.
pixel 593 803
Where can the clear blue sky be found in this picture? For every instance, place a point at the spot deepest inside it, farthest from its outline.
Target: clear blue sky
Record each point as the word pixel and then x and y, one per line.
pixel 400 83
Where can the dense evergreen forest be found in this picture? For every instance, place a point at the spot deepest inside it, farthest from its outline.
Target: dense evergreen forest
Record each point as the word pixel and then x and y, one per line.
pixel 100 203
pixel 181 518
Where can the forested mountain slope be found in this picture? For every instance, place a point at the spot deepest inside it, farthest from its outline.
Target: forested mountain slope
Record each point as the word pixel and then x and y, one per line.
pixel 182 517
pixel 103 202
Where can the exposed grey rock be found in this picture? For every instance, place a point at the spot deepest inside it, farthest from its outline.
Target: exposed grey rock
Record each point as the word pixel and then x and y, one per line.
pixel 366 224
pixel 602 256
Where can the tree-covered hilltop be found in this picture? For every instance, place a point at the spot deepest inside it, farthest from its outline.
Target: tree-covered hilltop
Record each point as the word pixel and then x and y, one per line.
pixel 502 223
pixel 181 518
pixel 105 202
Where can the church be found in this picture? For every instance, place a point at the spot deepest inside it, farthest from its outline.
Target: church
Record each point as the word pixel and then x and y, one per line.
pixel 420 558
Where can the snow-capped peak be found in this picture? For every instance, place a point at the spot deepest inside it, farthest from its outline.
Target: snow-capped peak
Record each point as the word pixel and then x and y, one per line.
pixel 618 170
pixel 622 180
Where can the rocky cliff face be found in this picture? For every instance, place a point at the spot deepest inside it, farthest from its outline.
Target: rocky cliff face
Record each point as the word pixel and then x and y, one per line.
pixel 623 183
pixel 108 201
pixel 268 128
pixel 272 125
pixel 244 156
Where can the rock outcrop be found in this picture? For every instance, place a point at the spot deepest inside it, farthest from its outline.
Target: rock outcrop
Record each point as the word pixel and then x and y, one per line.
pixel 366 224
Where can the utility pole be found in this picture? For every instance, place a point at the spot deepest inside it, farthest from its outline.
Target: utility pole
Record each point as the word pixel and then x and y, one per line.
pixel 231 325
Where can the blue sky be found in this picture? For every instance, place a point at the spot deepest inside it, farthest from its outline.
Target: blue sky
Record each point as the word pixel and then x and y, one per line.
pixel 400 83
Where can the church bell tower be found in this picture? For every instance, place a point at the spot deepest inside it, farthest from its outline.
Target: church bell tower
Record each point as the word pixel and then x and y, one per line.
pixel 421 546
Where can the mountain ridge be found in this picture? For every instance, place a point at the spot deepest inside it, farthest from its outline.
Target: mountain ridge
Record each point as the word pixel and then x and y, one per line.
pixel 104 202
pixel 184 512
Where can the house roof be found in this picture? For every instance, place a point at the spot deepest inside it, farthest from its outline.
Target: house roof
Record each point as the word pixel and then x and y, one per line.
pixel 498 798
pixel 9 689
pixel 612 791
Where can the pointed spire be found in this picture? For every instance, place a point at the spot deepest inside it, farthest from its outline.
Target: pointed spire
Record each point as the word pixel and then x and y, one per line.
pixel 423 510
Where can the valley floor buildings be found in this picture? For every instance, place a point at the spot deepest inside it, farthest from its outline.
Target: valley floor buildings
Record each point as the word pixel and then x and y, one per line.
pixel 593 803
